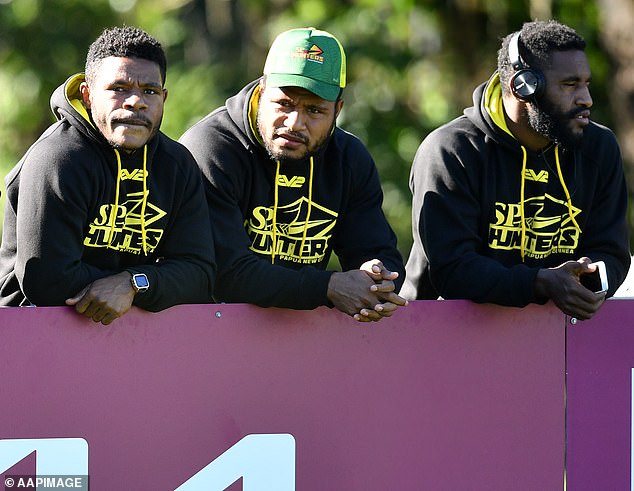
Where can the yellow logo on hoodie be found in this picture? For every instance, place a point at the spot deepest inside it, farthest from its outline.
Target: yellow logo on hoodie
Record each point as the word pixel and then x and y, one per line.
pixel 293 182
pixel 121 228
pixel 298 236
pixel 541 176
pixel 550 227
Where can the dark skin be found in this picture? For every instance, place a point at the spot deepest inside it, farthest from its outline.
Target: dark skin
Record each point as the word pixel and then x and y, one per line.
pixel 106 299
pixel 367 293
pixel 563 287
pixel 568 95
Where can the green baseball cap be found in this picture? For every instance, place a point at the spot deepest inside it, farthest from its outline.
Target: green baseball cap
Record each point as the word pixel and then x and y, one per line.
pixel 307 58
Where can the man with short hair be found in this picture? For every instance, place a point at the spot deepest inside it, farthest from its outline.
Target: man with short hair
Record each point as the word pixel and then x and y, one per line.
pixel 104 211
pixel 515 199
pixel 286 188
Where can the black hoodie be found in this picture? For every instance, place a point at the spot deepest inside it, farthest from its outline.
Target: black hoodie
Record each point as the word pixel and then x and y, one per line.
pixel 473 188
pixel 302 211
pixel 78 210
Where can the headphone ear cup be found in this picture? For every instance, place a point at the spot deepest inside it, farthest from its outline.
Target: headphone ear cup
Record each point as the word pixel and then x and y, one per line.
pixel 528 84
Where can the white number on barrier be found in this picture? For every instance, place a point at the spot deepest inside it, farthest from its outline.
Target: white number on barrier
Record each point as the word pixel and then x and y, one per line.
pixel 265 463
pixel 68 456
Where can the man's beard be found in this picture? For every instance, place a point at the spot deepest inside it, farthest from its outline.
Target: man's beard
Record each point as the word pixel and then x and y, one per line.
pixel 554 125
pixel 279 155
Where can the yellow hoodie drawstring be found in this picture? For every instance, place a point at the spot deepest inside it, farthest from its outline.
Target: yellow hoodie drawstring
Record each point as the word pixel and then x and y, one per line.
pixel 523 221
pixel 275 201
pixel 275 205
pixel 310 204
pixel 563 185
pixel 144 202
pixel 115 209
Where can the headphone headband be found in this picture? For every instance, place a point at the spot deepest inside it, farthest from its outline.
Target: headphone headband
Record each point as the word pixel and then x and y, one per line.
pixel 514 52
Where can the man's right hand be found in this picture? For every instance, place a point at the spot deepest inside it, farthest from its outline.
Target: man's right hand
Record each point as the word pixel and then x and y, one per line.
pixel 562 286
pixel 356 293
pixel 105 299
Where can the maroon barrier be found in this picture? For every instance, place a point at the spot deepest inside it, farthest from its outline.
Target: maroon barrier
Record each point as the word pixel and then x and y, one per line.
pixel 442 396
pixel 599 382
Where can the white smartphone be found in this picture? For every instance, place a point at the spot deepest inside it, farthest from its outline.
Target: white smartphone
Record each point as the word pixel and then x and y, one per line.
pixel 597 281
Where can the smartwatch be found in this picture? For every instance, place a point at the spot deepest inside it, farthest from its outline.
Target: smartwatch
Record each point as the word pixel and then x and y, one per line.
pixel 140 282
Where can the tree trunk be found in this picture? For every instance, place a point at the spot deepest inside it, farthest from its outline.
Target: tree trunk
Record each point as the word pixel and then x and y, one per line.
pixel 616 31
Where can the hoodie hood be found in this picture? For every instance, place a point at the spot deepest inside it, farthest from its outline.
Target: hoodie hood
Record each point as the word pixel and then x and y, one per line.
pixel 67 103
pixel 487 112
pixel 242 108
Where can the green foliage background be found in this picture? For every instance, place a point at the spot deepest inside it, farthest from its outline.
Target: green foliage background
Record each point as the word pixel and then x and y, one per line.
pixel 412 65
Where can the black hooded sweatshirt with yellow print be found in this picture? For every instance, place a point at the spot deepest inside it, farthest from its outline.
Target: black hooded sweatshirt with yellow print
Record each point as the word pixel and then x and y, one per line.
pixel 79 210
pixel 276 224
pixel 489 213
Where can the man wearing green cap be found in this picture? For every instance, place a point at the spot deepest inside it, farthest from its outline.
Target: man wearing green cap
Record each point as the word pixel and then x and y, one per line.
pixel 286 188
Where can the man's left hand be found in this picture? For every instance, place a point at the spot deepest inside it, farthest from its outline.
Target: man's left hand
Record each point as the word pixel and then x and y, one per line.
pixel 562 285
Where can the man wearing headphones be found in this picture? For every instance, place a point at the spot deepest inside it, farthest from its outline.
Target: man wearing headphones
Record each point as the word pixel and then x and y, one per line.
pixel 515 200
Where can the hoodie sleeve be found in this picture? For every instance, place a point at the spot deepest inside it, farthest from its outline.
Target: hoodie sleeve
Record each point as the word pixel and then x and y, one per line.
pixel 51 210
pixel 363 232
pixel 244 277
pixel 449 245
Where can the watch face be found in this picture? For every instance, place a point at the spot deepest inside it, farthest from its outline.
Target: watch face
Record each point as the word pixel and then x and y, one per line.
pixel 141 281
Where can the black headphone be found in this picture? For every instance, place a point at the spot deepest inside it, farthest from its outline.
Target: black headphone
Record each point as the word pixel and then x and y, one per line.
pixel 527 84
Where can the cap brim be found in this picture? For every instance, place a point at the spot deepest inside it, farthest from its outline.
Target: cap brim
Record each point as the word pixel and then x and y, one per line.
pixel 321 89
